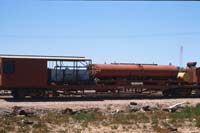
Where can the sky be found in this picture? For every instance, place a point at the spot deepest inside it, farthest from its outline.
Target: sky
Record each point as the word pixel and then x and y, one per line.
pixel 124 32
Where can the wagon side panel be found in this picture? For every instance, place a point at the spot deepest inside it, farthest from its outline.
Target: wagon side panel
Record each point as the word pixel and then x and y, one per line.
pixel 30 73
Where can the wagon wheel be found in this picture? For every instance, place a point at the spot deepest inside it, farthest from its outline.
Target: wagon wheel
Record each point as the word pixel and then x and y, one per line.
pixel 178 92
pixel 166 93
pixel 37 93
pixel 183 92
pixel 19 93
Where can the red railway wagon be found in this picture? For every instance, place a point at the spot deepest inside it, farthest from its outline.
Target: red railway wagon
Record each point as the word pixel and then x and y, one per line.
pixel 44 76
pixel 31 74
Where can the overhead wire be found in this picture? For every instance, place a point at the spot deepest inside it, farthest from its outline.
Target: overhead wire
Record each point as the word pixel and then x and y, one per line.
pixel 127 36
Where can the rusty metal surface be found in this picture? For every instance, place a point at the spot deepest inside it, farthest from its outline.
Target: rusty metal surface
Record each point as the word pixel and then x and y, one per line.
pixel 192 75
pixel 28 72
pixel 198 74
pixel 120 70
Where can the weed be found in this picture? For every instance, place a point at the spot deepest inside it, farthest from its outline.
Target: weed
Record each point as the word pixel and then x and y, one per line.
pixel 121 119
pixel 130 118
pixel 165 124
pixel 62 131
pixel 198 123
pixel 188 113
pixel 84 124
pixel 55 118
pixel 40 127
pixel 155 120
pixel 83 116
pixel 114 127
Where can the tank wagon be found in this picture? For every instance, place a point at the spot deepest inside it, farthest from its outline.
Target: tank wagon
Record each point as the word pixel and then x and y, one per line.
pixel 53 76
pixel 134 71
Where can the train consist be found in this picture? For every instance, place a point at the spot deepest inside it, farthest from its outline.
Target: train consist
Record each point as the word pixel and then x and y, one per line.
pixel 58 76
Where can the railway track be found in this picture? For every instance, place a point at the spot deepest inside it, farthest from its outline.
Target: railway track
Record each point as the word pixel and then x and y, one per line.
pixel 95 98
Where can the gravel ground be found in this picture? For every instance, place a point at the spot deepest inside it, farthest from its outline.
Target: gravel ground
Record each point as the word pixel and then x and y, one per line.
pixel 102 104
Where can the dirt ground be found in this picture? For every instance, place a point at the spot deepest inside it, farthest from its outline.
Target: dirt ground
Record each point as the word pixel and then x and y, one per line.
pixel 93 103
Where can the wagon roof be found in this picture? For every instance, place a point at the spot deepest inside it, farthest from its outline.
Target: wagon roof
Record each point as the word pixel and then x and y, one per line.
pixel 44 57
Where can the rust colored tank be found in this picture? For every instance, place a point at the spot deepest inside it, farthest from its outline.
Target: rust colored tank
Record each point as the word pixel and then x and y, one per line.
pixel 198 74
pixel 192 74
pixel 131 70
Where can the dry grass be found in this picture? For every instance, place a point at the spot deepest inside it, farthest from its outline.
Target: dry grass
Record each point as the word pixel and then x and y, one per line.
pixel 188 114
pixel 78 122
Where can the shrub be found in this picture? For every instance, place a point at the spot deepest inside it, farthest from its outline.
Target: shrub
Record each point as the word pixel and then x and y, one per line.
pixel 83 116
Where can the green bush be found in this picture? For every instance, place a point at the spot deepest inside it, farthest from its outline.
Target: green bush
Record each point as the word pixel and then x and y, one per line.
pixel 83 116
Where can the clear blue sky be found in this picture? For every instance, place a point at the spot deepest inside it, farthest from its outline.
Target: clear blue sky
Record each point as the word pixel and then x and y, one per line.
pixel 140 32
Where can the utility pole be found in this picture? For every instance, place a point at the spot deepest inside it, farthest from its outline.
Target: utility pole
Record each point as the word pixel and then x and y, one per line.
pixel 181 57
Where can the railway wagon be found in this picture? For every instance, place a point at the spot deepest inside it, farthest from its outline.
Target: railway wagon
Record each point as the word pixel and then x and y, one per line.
pixel 171 80
pixel 38 76
pixel 53 76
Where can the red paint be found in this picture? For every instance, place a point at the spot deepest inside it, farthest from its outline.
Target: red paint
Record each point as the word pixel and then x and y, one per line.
pixel 30 73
